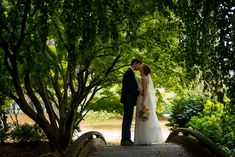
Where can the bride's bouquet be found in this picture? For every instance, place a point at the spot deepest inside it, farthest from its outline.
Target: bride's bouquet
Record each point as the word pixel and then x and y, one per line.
pixel 144 114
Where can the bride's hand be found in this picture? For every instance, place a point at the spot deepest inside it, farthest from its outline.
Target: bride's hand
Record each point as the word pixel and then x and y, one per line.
pixel 142 104
pixel 141 92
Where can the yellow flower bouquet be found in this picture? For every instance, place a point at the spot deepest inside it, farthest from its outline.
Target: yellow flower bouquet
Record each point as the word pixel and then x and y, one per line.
pixel 144 114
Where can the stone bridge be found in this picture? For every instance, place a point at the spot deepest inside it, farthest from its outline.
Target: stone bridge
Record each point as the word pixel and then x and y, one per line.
pixel 180 143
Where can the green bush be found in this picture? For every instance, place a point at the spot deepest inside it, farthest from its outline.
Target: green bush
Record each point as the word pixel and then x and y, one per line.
pixel 111 104
pixel 209 120
pixel 217 124
pixel 4 127
pixel 27 133
pixel 227 141
pixel 4 134
pixel 99 116
pixel 183 109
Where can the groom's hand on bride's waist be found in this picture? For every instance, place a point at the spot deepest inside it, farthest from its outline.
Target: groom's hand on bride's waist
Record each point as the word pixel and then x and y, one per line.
pixel 141 92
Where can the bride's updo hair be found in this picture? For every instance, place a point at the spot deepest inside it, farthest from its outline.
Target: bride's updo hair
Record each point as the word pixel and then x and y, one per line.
pixel 147 69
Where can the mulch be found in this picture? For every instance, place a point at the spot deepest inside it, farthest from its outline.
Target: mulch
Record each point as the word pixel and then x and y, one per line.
pixel 31 149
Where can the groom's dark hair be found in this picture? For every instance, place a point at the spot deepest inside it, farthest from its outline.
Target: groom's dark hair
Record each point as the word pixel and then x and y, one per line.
pixel 135 61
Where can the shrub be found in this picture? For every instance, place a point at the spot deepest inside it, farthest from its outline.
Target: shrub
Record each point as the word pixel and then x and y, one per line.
pixel 99 116
pixel 227 141
pixel 183 109
pixel 27 133
pixel 4 134
pixel 111 104
pixel 4 127
pixel 217 124
pixel 209 120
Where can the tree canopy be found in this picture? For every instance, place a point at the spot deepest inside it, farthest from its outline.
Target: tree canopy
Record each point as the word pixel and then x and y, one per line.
pixel 207 43
pixel 56 55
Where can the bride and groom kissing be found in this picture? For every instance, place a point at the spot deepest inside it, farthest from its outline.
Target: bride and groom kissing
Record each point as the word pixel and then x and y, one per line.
pixel 141 95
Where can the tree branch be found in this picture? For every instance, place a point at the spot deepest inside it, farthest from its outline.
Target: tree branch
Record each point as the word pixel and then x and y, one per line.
pixel 24 106
pixel 58 31
pixel 77 121
pixel 71 85
pixel 23 24
pixel 81 75
pixel 7 57
pixel 33 97
pixel 56 87
pixel 116 69
pixel 112 65
pixel 51 95
pixel 42 92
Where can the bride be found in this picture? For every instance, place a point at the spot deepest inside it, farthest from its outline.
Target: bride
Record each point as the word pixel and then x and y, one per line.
pixel 147 126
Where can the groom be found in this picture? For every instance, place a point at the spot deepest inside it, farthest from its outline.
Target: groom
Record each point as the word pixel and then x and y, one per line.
pixel 128 99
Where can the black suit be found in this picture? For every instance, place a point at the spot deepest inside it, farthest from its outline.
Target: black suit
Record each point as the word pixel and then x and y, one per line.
pixel 128 99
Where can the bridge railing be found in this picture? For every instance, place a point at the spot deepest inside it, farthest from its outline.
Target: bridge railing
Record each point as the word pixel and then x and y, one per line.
pixel 85 144
pixel 195 142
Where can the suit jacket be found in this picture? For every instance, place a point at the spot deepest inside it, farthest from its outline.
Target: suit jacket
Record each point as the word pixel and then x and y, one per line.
pixel 129 88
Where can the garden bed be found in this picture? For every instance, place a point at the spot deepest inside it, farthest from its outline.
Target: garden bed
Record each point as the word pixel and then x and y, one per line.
pixel 31 149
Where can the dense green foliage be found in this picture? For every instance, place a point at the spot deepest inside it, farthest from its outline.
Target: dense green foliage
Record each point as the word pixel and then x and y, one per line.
pixel 210 118
pixel 97 117
pixel 56 55
pixel 217 124
pixel 183 109
pixel 4 126
pixel 207 43
pixel 27 133
pixel 22 133
pixel 207 49
pixel 63 55
pixel 109 104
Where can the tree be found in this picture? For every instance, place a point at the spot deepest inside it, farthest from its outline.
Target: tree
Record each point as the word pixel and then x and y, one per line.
pixel 57 54
pixel 156 43
pixel 207 43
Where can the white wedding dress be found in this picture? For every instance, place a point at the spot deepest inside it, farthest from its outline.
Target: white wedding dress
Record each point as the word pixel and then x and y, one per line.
pixel 149 131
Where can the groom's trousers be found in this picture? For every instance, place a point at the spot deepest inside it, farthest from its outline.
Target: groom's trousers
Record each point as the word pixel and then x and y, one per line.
pixel 127 120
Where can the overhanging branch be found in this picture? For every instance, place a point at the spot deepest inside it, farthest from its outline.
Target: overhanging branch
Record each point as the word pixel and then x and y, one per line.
pixel 23 24
pixel 112 65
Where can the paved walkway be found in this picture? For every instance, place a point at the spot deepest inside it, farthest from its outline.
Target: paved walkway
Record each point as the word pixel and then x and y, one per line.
pixel 160 150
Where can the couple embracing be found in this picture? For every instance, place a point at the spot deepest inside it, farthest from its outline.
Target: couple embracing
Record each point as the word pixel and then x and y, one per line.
pixel 141 95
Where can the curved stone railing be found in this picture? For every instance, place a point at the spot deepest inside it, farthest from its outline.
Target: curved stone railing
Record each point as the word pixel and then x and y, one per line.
pixel 86 143
pixel 181 142
pixel 196 143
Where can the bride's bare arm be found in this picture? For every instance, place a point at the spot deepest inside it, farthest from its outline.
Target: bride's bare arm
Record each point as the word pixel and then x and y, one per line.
pixel 145 82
